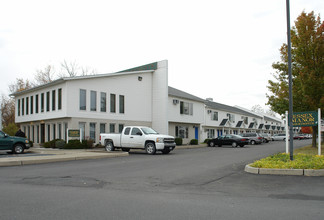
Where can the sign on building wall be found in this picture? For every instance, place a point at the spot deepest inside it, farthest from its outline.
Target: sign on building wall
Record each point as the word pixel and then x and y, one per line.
pixel 305 119
pixel 73 133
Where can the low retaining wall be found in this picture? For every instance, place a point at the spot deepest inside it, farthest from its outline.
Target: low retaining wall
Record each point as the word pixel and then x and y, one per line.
pixel 291 172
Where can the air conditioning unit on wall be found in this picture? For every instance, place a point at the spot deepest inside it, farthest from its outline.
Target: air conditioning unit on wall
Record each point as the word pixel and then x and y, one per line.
pixel 175 101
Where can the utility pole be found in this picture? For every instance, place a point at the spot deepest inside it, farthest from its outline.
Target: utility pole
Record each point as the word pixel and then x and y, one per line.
pixel 290 115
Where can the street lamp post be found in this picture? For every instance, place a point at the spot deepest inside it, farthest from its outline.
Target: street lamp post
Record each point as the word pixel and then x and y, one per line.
pixel 290 116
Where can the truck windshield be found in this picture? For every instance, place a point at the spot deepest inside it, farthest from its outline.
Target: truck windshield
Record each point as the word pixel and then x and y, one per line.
pixel 148 131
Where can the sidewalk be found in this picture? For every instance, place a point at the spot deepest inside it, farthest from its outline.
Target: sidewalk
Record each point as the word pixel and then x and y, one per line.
pixel 38 155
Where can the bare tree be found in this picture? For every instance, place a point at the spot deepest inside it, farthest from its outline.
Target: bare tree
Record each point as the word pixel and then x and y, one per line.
pixel 257 109
pixel 45 76
pixel 69 69
pixel 20 85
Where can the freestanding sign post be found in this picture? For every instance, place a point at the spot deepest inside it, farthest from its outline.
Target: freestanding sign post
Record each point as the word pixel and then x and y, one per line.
pixel 287 134
pixel 73 133
pixel 319 131
pixel 307 119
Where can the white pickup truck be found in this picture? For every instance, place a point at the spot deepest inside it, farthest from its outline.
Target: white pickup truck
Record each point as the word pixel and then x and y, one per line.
pixel 137 137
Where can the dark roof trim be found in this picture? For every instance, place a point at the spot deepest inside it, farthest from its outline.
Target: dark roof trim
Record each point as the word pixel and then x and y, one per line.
pixel 62 80
pixel 150 66
pixel 223 122
pixel 239 124
pixel 183 95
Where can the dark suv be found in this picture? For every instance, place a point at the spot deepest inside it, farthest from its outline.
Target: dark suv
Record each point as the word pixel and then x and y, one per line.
pixel 16 144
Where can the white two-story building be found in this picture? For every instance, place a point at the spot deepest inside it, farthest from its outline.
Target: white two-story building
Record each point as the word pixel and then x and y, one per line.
pixel 105 103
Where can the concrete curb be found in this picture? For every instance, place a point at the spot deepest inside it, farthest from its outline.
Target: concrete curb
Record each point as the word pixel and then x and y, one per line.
pixel 4 162
pixel 288 172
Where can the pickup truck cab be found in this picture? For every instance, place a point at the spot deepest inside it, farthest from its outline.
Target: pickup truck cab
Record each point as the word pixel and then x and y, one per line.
pixel 16 144
pixel 138 137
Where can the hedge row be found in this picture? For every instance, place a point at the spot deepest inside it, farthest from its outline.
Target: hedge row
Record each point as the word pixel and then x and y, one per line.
pixel 73 144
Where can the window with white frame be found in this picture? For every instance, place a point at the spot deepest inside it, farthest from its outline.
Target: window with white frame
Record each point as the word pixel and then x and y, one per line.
pixel 245 119
pixel 186 108
pixel 231 117
pixel 214 116
pixel 93 101
pixel 83 99
pixel 210 133
pixel 182 131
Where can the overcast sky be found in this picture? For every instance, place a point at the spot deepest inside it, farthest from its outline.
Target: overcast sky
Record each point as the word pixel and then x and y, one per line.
pixel 218 49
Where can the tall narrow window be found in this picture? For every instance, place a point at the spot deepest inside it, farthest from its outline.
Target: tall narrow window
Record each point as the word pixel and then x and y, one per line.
pixel 121 104
pixel 48 132
pixel 93 101
pixel 42 102
pixel 54 131
pixel 59 131
pixel 103 102
pixel 22 106
pixel 59 99
pixel 93 131
pixel 48 101
pixel 31 104
pixel 27 105
pixel 18 107
pixel 53 100
pixel 102 128
pixel 82 129
pixel 120 128
pixel 112 103
pixel 36 104
pixel 112 128
pixel 83 99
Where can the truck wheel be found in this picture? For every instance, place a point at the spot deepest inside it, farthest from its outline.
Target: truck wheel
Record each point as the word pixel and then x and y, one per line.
pixel 150 148
pixel 165 151
pixel 211 144
pixel 18 149
pixel 109 146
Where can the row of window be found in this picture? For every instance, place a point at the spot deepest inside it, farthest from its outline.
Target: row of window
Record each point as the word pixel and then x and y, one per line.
pixel 39 102
pixel 102 129
pixel 103 101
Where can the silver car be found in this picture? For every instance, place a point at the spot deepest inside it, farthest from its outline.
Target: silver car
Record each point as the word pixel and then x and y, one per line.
pixel 255 138
pixel 279 137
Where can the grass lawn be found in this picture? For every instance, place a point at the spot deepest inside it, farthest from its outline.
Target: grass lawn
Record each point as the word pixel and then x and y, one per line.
pixel 304 158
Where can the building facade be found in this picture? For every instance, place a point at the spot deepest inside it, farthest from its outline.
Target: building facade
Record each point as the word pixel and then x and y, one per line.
pixel 105 103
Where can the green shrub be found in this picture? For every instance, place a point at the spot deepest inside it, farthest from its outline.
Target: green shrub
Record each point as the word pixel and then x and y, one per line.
pixel 178 141
pixel 56 143
pixel 206 140
pixel 60 144
pixel 76 144
pixel 282 161
pixel 194 142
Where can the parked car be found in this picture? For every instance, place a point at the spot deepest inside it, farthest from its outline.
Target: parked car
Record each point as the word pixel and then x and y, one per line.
pixel 266 137
pixel 255 138
pixel 299 137
pixel 279 137
pixel 15 144
pixel 138 137
pixel 229 139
